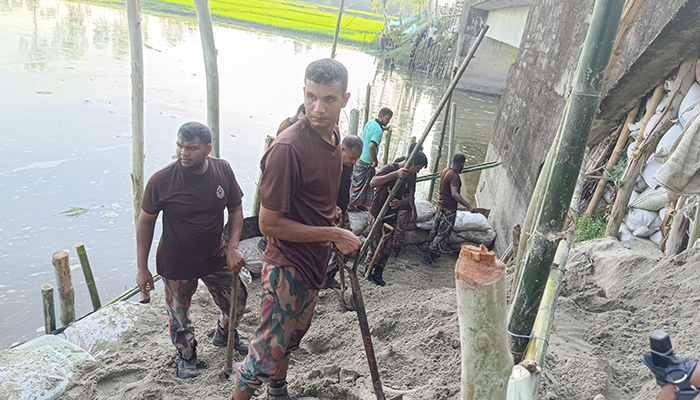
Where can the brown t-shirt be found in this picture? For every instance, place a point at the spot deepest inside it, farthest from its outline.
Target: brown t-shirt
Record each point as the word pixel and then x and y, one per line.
pixel 448 176
pixel 301 175
pixel 193 217
pixel 382 192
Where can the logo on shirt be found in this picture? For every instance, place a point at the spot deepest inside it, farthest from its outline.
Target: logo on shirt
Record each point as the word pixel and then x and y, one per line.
pixel 220 192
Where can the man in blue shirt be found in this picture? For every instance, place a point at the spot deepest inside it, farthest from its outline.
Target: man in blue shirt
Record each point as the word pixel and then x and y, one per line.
pixel 361 193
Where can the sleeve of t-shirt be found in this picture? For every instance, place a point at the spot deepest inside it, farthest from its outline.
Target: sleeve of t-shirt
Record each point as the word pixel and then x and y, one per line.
pixel 387 169
pixel 280 178
pixel 235 193
pixel 152 203
pixel 377 136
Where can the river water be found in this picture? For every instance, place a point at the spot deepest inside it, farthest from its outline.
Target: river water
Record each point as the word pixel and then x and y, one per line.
pixel 65 114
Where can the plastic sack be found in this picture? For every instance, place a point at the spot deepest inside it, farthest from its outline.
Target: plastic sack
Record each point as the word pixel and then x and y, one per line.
pixel 690 105
pixel 643 223
pixel 650 169
pixel 651 199
pixel 427 225
pixel 656 238
pixel 667 141
pixel 633 197
pixel 358 221
pixel 625 233
pixel 471 221
pixel 640 185
pixel 252 255
pixel 485 237
pixel 424 210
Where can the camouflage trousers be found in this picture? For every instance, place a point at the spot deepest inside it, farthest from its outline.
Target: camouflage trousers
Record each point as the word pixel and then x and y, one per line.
pixel 388 244
pixel 404 220
pixel 286 313
pixel 178 297
pixel 440 234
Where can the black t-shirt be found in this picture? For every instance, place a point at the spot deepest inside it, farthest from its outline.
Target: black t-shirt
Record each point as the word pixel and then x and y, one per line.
pixel 344 188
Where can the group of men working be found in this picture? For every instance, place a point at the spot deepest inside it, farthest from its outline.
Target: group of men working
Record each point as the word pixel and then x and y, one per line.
pixel 305 189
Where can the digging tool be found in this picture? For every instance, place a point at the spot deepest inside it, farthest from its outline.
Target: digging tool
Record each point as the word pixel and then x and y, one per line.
pixel 228 367
pixel 387 230
pixel 670 369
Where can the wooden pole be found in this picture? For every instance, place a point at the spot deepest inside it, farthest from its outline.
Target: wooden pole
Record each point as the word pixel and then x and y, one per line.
pixel 133 14
pixel 368 95
pixel 378 251
pixel 566 163
pixel 131 292
pixel 387 144
pixel 228 367
pixel 89 279
pixel 66 294
pixel 651 110
pixel 256 200
pixel 337 28
pixel 354 122
pixel 206 32
pixel 694 233
pixel 49 310
pixel 482 310
pixel 453 129
pixel 619 146
pixel 436 163
pixel 471 168
pixel 677 231
pixel 445 98
pixel 639 157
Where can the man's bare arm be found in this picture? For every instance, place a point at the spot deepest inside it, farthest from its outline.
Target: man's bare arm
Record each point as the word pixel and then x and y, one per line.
pixel 454 188
pixel 276 225
pixel 381 180
pixel 373 153
pixel 235 225
pixel 144 239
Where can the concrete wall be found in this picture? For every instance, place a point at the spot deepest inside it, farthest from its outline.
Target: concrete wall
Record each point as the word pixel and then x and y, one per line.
pixel 488 70
pixel 536 87
pixel 507 25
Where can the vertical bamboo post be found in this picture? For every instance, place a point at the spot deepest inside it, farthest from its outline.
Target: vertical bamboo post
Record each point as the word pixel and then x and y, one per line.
pixel 387 145
pixel 206 32
pixel 677 231
pixel 694 233
pixel 49 310
pixel 228 365
pixel 354 122
pixel 337 28
pixel 619 146
pixel 556 197
pixel 256 200
pixel 651 110
pixel 66 294
pixel 133 14
pixel 453 130
pixel 89 279
pixel 482 310
pixel 436 163
pixel 368 95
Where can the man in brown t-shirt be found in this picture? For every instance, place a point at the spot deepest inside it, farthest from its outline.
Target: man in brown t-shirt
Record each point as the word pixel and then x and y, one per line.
pixel 383 182
pixel 192 192
pixel 450 197
pixel 298 190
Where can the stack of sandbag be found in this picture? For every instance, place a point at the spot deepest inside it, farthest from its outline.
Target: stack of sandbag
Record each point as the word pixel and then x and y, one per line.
pixel 359 221
pixel 252 255
pixel 470 228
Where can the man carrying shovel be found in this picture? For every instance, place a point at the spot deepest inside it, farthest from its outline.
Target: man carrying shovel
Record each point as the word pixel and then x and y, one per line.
pixel 192 192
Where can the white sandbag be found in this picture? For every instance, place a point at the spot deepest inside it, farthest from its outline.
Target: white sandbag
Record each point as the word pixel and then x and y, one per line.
pixel 662 213
pixel 625 233
pixel 427 225
pixel 650 170
pixel 643 223
pixel 424 210
pixel 634 130
pixel 416 237
pixel 252 255
pixel 689 105
pixel 651 199
pixel 485 237
pixel 471 221
pixel 656 238
pixel 633 197
pixel 667 141
pixel 358 221
pixel 640 185
pixel 650 125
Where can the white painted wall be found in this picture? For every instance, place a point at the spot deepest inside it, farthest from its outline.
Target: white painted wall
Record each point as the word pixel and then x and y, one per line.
pixel 508 24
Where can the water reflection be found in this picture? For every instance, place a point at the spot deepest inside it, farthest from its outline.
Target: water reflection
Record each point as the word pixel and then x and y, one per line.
pixel 64 76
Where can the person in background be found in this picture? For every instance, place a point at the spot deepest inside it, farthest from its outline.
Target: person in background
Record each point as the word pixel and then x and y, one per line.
pixel 412 60
pixel 387 62
pixel 361 192
pixel 292 120
pixel 192 193
pixel 384 182
pixel 450 198
pixel 405 217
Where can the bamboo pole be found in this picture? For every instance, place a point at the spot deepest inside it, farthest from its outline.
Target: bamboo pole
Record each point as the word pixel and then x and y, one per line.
pixel 566 163
pixel 133 14
pixel 228 366
pixel 387 144
pixel 639 157
pixel 368 95
pixel 206 32
pixel 89 279
pixel 66 294
pixel 445 98
pixel 337 28
pixel 482 310
pixel 436 163
pixel 650 111
pixel 49 309
pixel 619 146
pixel 131 292
pixel 354 121
pixel 471 168
pixel 694 233
pixel 453 129
pixel 256 200
pixel 677 231
pixel 523 384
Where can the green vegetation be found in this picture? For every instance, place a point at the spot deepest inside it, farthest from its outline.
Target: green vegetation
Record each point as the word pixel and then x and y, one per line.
pixel 615 173
pixel 74 212
pixel 588 228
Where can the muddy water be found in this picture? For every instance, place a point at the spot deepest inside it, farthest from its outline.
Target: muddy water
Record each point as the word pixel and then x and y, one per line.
pixel 64 107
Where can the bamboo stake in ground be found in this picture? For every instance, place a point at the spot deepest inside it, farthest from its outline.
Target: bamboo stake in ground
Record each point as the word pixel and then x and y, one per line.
pixel 132 292
pixel 387 144
pixel 89 279
pixel 367 99
pixel 66 294
pixel 256 200
pixel 354 122
pixel 677 231
pixel 337 28
pixel 694 233
pixel 228 367
pixel 206 32
pixel 49 310
pixel 377 253
pixel 482 311
pixel 556 197
pixel 619 146
pixel 436 163
pixel 453 129
pixel 133 14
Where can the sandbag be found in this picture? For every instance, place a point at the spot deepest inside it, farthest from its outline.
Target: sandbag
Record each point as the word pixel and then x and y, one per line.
pixel 633 197
pixel 252 255
pixel 424 210
pixel 415 237
pixel 427 225
pixel 666 142
pixel 650 170
pixel 643 223
pixel 656 238
pixel 690 105
pixel 485 237
pixel 625 233
pixel 358 221
pixel 640 185
pixel 651 199
pixel 471 221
